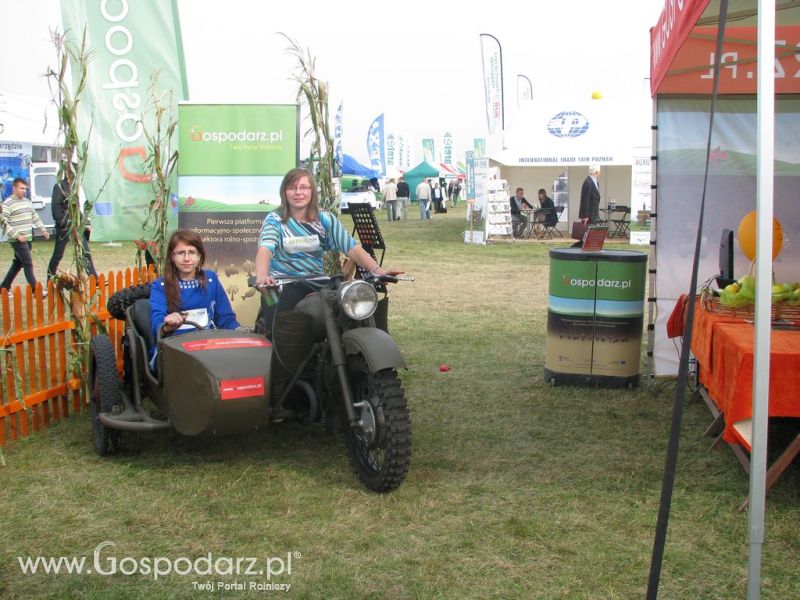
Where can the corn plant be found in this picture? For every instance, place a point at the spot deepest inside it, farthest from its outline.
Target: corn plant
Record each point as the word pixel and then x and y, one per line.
pixel 73 288
pixel 314 92
pixel 161 161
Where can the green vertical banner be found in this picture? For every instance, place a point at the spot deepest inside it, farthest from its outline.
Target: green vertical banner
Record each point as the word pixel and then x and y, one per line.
pixel 470 175
pixel 232 160
pixel 427 150
pixel 479 145
pixel 126 40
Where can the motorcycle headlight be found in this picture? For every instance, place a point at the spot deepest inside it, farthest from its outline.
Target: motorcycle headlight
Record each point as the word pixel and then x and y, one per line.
pixel 358 299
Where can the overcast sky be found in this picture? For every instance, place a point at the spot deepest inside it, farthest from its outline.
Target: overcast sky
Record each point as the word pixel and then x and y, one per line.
pixel 418 62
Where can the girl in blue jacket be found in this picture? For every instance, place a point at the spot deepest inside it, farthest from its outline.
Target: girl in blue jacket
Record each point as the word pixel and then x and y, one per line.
pixel 187 292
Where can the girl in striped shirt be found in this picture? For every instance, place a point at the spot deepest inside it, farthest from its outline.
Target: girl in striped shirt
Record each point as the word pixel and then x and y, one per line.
pixel 294 238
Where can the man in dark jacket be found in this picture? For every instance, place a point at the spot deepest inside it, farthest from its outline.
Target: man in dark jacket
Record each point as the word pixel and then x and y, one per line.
pixel 589 211
pixel 60 208
pixel 519 222
pixel 403 194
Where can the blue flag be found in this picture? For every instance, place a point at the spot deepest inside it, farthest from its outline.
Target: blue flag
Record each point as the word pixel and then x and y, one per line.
pixel 375 146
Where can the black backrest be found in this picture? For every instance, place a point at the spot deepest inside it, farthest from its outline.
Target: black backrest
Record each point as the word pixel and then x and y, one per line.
pixel 140 312
pixel 726 254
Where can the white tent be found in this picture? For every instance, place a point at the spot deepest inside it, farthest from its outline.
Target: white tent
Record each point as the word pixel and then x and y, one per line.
pixel 26 119
pixel 552 141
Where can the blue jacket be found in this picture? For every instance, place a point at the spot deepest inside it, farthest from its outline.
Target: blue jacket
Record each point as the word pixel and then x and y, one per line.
pixel 212 298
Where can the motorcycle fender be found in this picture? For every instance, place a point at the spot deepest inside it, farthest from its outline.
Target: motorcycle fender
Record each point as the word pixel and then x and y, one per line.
pixel 377 347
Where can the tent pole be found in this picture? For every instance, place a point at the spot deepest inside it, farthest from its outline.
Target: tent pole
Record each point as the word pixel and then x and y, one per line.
pixel 765 117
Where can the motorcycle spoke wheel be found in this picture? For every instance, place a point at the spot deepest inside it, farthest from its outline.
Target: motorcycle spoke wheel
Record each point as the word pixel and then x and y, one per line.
pixel 380 448
pixel 104 394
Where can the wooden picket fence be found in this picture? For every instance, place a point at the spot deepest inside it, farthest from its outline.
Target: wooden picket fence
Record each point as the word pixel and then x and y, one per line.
pixel 36 388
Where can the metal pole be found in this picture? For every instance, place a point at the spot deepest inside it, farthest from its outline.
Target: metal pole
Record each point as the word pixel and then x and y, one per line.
pixel 765 116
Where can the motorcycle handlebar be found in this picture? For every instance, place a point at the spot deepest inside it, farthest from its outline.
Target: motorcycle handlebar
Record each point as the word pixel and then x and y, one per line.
pixel 285 281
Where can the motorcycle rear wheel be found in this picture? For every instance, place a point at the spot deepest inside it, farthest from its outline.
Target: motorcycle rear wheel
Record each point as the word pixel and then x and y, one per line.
pixel 380 449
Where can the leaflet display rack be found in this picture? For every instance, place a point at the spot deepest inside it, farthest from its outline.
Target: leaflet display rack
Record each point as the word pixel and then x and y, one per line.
pixel 369 234
pixel 498 211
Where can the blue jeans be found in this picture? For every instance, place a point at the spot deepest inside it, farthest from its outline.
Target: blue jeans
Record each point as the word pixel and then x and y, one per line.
pixel 391 210
pixel 23 260
pixel 424 209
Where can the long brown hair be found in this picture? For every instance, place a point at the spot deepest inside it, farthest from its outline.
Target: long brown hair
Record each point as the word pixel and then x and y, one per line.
pixel 171 276
pixel 290 179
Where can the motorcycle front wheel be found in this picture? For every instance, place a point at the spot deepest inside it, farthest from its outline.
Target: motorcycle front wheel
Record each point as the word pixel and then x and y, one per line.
pixel 380 445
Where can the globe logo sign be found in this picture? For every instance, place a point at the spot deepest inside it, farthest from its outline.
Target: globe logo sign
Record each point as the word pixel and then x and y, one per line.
pixel 568 123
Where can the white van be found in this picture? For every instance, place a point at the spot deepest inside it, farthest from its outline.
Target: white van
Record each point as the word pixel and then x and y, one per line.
pixel 367 197
pixel 42 180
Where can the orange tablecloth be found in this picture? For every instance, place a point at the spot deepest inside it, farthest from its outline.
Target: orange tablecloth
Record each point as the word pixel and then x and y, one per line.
pixel 724 347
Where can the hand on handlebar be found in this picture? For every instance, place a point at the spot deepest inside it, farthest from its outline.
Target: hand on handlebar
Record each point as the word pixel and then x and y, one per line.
pixel 174 320
pixel 388 271
pixel 266 281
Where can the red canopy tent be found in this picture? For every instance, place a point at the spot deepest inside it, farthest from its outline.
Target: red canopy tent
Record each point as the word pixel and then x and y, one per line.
pixel 682 49
pixel 754 163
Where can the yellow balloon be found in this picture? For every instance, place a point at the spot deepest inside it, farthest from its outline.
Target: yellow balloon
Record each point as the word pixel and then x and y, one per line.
pixel 597 95
pixel 747 236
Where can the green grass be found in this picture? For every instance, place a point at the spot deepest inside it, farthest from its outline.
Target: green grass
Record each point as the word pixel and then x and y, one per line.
pixel 516 489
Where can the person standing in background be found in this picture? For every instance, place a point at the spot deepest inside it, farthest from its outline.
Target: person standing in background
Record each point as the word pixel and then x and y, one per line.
pixel 589 211
pixel 18 218
pixel 438 199
pixel 59 206
pixel 423 192
pixel 403 194
pixel 390 197
pixel 456 192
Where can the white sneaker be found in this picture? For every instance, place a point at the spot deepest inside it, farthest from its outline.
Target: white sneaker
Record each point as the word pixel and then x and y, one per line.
pixel 10 295
pixel 44 293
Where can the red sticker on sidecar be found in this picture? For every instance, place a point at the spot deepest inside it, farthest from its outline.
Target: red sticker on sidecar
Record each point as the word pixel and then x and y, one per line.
pixel 224 344
pixel 233 389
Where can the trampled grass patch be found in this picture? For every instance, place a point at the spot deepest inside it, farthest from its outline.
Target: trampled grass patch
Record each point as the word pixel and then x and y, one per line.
pixel 516 489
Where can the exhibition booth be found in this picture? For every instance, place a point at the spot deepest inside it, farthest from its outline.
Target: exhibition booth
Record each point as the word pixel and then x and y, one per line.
pixel 681 86
pixel 551 143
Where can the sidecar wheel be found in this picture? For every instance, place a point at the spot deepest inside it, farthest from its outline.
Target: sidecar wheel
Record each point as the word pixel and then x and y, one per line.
pixel 104 393
pixel 380 449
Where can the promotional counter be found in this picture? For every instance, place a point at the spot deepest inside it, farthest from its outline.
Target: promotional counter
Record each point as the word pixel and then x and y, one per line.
pixel 595 316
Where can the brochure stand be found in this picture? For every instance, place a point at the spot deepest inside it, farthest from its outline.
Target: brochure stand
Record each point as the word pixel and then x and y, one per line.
pixel 369 234
pixel 498 211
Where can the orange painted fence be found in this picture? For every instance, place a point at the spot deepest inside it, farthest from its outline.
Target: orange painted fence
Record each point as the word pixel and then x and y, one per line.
pixel 37 386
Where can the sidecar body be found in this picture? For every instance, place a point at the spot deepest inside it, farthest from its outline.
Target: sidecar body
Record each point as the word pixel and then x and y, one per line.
pixel 205 382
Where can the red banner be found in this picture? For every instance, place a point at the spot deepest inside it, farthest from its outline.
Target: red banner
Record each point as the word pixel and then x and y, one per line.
pixel 691 69
pixel 667 37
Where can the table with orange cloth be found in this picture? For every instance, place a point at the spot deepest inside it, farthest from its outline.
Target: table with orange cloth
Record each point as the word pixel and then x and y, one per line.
pixel 724 347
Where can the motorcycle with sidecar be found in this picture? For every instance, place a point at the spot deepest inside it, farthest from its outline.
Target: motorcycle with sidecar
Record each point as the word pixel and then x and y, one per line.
pixel 329 359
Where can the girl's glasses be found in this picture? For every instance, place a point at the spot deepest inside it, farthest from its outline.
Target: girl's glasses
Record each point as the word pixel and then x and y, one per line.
pixel 299 188
pixel 183 253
